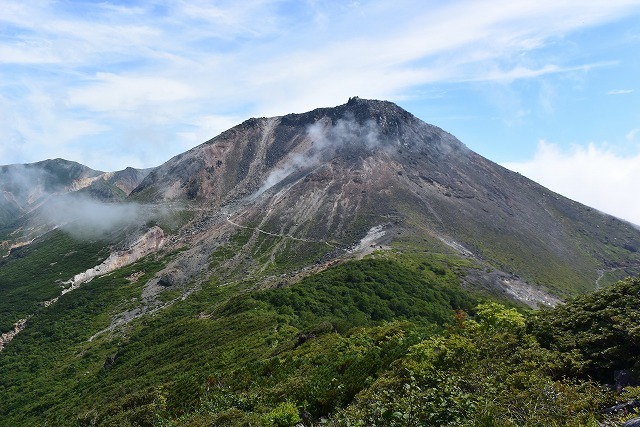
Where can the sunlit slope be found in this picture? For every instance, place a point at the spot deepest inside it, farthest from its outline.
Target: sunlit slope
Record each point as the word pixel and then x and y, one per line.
pixel 332 174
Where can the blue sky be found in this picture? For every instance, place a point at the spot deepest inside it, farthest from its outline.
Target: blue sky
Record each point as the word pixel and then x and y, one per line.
pixel 547 87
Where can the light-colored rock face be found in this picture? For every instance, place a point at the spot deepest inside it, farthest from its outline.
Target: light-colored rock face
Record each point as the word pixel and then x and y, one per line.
pixel 13 246
pixel 8 336
pixel 150 242
pixel 81 183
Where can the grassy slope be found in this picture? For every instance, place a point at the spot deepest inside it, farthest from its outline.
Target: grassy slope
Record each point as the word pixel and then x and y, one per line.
pixel 231 355
pixel 52 357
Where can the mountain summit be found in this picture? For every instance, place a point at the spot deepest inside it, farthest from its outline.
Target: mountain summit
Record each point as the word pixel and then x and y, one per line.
pixel 333 174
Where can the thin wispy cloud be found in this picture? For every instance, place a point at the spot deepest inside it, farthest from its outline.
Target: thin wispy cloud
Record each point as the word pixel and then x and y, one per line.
pixel 620 91
pixel 520 72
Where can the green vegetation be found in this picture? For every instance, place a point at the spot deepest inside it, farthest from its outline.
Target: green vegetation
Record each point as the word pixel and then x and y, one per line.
pixel 372 291
pixel 226 252
pixel 274 254
pixel 34 273
pixel 599 333
pixel 502 369
pixel 390 340
pixel 220 335
pixel 52 355
pixel 485 371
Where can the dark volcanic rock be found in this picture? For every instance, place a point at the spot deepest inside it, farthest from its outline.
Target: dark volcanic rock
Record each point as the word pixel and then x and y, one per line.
pixel 624 378
pixel 625 407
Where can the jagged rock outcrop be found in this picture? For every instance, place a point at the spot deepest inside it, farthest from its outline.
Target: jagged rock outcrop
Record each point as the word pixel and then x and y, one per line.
pixel 127 179
pixel 114 186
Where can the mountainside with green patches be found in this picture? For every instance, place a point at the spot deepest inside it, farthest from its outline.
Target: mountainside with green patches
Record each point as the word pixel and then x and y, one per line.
pixel 331 175
pixel 301 268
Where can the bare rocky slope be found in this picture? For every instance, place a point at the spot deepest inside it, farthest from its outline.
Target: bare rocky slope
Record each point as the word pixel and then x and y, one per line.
pixel 332 174
pixel 299 192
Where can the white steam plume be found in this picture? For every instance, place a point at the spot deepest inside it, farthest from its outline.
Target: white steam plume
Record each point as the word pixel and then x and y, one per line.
pixel 327 141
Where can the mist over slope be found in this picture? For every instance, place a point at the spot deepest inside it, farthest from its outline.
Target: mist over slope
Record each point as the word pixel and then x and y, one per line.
pixel 58 193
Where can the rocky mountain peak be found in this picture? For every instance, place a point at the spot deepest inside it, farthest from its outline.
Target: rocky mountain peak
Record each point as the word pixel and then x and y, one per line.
pixel 333 174
pixel 260 151
pixel 389 118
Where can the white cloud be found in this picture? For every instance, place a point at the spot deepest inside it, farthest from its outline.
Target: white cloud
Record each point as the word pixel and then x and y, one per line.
pixel 620 91
pixel 119 93
pixel 34 52
pixel 520 72
pixel 37 130
pixel 594 175
pixel 228 18
pixel 169 64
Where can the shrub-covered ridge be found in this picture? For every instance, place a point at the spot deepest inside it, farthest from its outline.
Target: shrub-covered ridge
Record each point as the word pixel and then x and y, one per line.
pixel 386 341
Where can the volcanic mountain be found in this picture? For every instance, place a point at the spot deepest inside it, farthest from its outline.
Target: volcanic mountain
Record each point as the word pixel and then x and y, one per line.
pixel 323 179
pixel 206 285
pixel 308 189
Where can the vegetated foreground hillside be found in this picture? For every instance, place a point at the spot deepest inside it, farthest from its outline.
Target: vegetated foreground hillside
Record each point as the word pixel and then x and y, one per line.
pixel 369 342
pixel 339 265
